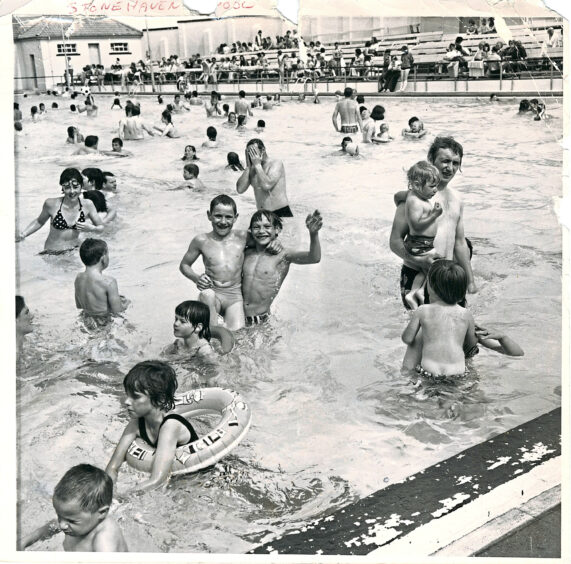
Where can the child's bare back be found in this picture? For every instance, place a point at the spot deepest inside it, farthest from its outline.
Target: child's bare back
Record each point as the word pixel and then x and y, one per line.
pixel 94 293
pixel 105 537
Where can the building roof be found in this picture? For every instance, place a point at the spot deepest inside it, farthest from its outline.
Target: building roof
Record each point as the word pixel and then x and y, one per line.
pixel 79 27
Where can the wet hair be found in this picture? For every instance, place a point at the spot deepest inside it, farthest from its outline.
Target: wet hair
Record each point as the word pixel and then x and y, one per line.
pixel 117 140
pixel 493 95
pixel 378 113
pixel 445 143
pixel 167 115
pixel 346 140
pixel 234 161
pixel 155 379
pixel 348 92
pixel 34 110
pixel 18 126
pixel 20 305
pixel 91 251
pixel 231 114
pixel 225 107
pixel 16 106
pixel 70 131
pixel 422 173
pixel 90 486
pixel 95 176
pixel 211 133
pixel 223 200
pixel 193 169
pixel 195 158
pixel 360 99
pixel 135 110
pixel 91 140
pixel 274 219
pixel 448 280
pixel 55 105
pixel 524 106
pixel 159 99
pixel 98 199
pixel 258 142
pixel 261 123
pixel 70 174
pixel 412 120
pixel 241 120
pixel 195 312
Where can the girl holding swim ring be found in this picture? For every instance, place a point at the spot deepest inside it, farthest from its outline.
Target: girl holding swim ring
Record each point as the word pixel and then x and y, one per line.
pixel 193 332
pixel 69 214
pixel 150 387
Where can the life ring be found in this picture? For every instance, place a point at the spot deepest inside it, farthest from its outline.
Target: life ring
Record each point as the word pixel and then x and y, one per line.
pixel 210 448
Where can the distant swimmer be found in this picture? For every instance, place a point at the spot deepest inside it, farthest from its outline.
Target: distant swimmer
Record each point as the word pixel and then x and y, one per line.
pixel 231 123
pixel 262 273
pixel 190 174
pixel 169 129
pixel 89 147
pixel 349 111
pixel 194 99
pixel 260 126
pixel 117 102
pixel 74 137
pixel 242 107
pixel 212 106
pixel 241 125
pixel 190 154
pixel 267 178
pixel 268 104
pixel 211 135
pixel 131 127
pixel 384 135
pixel 96 294
pixel 178 105
pixel 68 214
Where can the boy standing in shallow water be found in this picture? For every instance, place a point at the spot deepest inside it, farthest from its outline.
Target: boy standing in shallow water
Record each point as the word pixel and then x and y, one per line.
pixel 96 294
pixel 81 500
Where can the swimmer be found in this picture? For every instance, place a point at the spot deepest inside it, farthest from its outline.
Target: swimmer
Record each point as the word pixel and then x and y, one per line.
pixel 190 154
pixel 338 96
pixel 73 109
pixel 89 147
pixel 524 106
pixel 349 111
pixel 445 325
pixel 18 128
pixel 168 130
pixel 150 388
pixel 95 294
pixel 347 146
pixel 90 107
pixel 132 127
pixel 74 136
pixel 368 124
pixel 193 332
pixel 100 203
pixel 160 99
pixel 538 108
pixel 64 232
pixel 231 123
pixel 225 110
pixel 212 106
pixel 415 129
pixel 263 274
pixel 117 102
pixel 190 174
pixel 55 105
pixel 81 500
pixel 257 102
pixel 277 100
pixel 178 105
pixel 268 104
pixel 24 320
pixel 17 112
pixel 109 183
pixel 34 113
pixel 211 142
pixel 383 136
pixel 421 216
pixel 260 126
pixel 117 148
pixel 242 106
pixel 194 99
pixel 42 110
pixel 241 123
pixel 234 162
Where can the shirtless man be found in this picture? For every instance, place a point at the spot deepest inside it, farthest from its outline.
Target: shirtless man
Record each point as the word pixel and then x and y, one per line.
pixel 242 106
pixel 222 252
pixel 267 178
pixel 211 106
pixel 263 274
pixel 132 127
pixel 89 147
pixel 178 105
pixel 445 154
pixel 349 111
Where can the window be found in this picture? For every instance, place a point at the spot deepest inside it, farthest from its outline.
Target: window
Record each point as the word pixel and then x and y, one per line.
pixel 119 47
pixel 67 49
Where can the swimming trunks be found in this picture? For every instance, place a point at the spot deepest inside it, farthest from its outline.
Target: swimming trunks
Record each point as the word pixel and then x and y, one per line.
pixel 144 435
pixel 441 378
pixel 58 222
pixel 257 319
pixel 229 295
pixel 418 245
pixel 283 212
pixel 352 128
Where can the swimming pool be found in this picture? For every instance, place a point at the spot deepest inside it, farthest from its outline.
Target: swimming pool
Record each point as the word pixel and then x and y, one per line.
pixel 333 417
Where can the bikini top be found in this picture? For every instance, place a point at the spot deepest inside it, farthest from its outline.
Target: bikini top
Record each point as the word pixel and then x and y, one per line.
pixel 59 222
pixel 144 435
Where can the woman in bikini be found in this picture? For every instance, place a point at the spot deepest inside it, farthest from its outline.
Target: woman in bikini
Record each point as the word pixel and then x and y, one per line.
pixel 68 214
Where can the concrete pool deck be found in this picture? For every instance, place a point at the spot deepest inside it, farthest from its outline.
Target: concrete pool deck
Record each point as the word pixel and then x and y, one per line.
pixel 466 505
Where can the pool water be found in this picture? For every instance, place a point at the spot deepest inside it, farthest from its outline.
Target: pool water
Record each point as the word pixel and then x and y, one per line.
pixel 334 418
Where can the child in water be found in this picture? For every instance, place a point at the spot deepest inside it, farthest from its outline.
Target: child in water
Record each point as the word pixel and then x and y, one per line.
pixel 231 120
pixel 150 387
pixel 421 215
pixel 193 332
pixel 211 142
pixel 73 135
pixel 260 126
pixel 190 154
pixel 190 174
pixel 347 146
pixel 117 102
pixel 415 129
pixel 383 136
pixel 81 500
pixel 234 162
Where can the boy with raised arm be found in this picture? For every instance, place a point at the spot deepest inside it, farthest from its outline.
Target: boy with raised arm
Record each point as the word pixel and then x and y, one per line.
pixel 263 274
pixel 81 500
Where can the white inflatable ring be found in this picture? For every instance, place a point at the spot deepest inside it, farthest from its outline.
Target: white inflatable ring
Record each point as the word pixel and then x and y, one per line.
pixel 210 448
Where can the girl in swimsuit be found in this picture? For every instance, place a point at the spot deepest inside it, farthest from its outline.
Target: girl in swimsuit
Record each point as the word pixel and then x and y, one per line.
pixel 150 387
pixel 68 215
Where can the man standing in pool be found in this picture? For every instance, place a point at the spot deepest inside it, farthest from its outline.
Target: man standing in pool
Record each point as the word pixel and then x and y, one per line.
pixel 445 154
pixel 348 109
pixel 267 178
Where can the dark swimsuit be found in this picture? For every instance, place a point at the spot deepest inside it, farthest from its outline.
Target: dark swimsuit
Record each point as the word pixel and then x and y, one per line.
pixel 175 416
pixel 59 222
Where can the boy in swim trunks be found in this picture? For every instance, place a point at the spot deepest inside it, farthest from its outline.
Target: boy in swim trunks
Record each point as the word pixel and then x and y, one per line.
pixel 263 274
pixel 95 294
pixel 447 328
pixel 421 217
pixel 81 500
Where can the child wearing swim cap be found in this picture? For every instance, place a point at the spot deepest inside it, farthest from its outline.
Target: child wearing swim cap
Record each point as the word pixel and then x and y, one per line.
pixel 150 387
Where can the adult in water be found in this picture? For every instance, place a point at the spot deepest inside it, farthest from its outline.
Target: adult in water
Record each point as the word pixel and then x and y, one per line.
pixel 24 320
pixel 348 109
pixel 68 213
pixel 267 178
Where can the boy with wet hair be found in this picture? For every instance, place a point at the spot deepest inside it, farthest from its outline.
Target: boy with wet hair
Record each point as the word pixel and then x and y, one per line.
pixel 117 148
pixel 81 500
pixel 211 142
pixel 260 126
pixel 89 147
pixel 190 174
